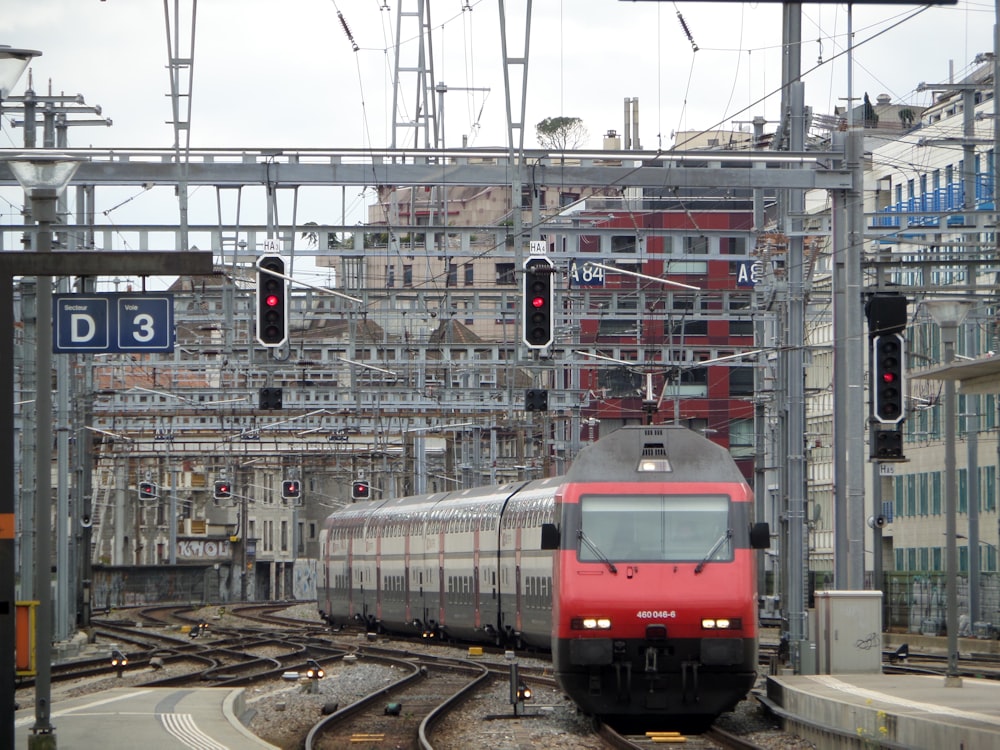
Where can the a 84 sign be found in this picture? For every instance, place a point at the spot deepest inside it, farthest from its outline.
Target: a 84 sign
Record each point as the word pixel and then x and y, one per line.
pixel 90 323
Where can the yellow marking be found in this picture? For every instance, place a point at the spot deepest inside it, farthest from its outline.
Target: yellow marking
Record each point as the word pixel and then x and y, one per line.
pixel 6 525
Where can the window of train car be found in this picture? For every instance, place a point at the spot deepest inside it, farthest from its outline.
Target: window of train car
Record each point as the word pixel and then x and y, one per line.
pixel 655 528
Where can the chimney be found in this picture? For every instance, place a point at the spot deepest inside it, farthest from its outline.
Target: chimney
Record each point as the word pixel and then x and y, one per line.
pixel 612 142
pixel 635 124
pixel 627 130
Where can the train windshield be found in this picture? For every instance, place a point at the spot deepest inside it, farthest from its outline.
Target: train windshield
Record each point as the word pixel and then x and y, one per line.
pixel 655 528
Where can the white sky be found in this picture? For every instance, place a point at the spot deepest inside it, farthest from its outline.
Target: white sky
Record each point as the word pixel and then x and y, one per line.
pixel 284 74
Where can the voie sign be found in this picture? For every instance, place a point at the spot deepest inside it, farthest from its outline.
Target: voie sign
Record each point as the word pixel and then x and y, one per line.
pixel 113 322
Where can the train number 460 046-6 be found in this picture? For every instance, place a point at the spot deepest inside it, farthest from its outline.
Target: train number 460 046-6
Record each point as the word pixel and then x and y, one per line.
pixel 651 614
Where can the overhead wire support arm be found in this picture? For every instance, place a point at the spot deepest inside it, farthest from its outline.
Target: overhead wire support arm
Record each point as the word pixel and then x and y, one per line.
pixel 615 269
pixel 322 289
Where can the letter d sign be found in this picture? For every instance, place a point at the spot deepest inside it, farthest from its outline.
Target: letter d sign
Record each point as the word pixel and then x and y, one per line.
pixel 82 327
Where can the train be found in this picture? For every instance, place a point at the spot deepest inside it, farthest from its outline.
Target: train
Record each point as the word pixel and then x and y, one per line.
pixel 636 570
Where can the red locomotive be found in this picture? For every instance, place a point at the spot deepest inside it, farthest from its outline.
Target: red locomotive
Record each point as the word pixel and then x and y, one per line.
pixel 635 569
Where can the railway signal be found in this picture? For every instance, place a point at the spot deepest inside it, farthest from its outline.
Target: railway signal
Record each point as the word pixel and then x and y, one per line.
pixel 314 673
pixel 291 489
pixel 147 491
pixel 536 399
pixel 272 302
pixel 886 313
pixel 270 398
pixel 223 490
pixel 887 377
pixel 536 297
pixel 887 443
pixel 119 661
pixel 361 490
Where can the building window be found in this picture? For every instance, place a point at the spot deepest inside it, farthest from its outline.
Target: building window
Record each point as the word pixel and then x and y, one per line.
pixel 741 328
pixel 696 245
pixel 390 276
pixel 733 246
pixel 619 383
pixel 470 275
pixel 624 243
pixel 505 274
pixel 688 328
pixel 741 381
pixel 353 272
pixel 408 275
pixel 452 279
pixel 617 327
pixel 741 438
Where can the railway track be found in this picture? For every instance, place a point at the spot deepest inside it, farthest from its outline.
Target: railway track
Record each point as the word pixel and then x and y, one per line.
pixel 257 646
pixel 401 715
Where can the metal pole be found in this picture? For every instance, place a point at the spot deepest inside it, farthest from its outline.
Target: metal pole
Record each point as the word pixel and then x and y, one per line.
pixel 973 493
pixel 853 344
pixel 952 678
pixel 172 520
pixel 877 479
pixel 841 299
pixel 42 732
pixel 7 593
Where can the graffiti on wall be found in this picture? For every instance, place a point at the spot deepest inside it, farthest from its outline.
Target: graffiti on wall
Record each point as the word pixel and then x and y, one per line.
pixel 204 549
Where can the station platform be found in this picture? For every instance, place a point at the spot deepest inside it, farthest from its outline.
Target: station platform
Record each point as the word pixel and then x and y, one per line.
pixel 150 718
pixel 908 712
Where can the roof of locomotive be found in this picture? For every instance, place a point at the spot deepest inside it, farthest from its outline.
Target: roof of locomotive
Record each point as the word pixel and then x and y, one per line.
pixel 613 458
pixel 691 457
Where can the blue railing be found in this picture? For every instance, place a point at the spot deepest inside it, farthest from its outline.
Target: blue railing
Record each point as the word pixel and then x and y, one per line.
pixel 951 197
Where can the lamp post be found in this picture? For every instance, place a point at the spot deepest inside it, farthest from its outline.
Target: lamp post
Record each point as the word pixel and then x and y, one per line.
pixel 43 176
pixel 949 313
pixel 12 65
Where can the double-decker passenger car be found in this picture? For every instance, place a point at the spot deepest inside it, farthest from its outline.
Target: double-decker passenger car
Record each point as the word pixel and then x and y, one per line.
pixel 635 569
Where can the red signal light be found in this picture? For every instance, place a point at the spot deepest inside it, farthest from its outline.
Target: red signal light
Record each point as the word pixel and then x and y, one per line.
pixel 537 302
pixel 271 300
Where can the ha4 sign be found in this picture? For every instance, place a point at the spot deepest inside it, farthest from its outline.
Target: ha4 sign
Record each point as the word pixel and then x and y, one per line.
pixel 95 323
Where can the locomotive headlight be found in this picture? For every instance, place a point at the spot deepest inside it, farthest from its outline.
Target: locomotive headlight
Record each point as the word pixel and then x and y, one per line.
pixel 653 464
pixel 721 623
pixel 590 623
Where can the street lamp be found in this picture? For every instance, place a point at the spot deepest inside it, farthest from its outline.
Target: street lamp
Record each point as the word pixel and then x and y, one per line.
pixel 949 313
pixel 12 65
pixel 43 176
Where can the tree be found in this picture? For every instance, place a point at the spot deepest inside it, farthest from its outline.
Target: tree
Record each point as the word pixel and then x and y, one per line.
pixel 561 133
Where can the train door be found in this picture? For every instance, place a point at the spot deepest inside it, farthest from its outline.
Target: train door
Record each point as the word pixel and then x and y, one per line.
pixel 407 572
pixel 379 593
pixel 324 595
pixel 508 574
